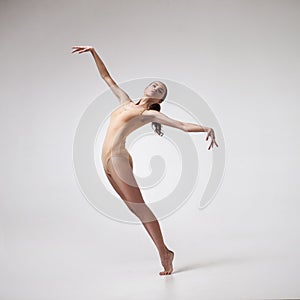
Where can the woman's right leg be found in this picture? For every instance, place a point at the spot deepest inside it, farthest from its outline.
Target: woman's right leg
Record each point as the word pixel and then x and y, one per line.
pixel 122 178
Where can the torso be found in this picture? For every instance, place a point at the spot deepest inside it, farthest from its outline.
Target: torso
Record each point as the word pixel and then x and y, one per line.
pixel 126 118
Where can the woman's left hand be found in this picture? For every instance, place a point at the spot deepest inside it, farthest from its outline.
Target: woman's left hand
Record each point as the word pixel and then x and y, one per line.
pixel 211 133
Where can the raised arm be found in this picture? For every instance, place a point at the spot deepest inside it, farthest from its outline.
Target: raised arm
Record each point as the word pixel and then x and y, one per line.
pixel 156 116
pixel 117 91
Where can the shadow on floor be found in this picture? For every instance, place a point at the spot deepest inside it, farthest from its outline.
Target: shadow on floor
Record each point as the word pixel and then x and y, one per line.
pixel 216 263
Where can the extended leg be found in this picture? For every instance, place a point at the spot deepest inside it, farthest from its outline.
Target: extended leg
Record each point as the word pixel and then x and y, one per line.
pixel 122 177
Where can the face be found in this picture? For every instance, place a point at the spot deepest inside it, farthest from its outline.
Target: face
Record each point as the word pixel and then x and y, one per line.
pixel 155 90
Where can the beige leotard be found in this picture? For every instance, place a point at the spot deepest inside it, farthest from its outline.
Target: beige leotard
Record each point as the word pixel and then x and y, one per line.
pixel 123 120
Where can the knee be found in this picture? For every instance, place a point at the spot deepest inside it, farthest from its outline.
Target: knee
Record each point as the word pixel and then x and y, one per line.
pixel 133 207
pixel 141 210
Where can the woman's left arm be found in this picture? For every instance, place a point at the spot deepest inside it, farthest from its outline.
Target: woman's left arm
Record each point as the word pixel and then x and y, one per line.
pixel 191 127
pixel 155 116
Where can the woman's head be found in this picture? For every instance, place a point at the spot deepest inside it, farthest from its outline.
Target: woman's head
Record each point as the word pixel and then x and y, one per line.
pixel 156 89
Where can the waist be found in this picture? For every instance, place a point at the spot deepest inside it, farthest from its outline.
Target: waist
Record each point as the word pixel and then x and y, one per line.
pixel 114 150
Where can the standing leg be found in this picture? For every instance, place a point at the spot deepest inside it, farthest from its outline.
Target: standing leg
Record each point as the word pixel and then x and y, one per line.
pixel 122 176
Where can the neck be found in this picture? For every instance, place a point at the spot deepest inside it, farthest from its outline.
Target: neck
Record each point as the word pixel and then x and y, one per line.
pixel 146 101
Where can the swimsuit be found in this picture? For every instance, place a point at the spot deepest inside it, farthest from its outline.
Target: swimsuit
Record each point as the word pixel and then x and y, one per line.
pixel 122 122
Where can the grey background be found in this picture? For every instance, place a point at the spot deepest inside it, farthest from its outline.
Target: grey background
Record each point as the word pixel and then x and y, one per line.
pixel 242 57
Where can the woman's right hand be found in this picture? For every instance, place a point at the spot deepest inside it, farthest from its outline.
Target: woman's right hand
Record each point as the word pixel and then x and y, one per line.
pixel 81 49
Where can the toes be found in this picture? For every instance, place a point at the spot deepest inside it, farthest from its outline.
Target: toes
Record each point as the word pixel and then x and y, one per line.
pixel 165 273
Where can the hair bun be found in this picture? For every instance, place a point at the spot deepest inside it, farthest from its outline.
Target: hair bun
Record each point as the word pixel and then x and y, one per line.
pixel 155 106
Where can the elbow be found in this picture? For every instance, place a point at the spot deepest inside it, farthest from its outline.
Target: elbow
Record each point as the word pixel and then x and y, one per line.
pixel 109 80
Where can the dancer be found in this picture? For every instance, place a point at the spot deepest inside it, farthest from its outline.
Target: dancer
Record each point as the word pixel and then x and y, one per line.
pixel 117 161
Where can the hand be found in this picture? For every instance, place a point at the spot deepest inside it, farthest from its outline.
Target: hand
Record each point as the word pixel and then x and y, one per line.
pixel 81 49
pixel 211 133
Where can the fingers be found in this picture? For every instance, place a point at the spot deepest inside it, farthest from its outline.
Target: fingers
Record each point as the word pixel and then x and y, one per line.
pixel 212 144
pixel 208 135
pixel 76 49
pixel 80 46
pixel 84 50
pixel 80 49
pixel 213 141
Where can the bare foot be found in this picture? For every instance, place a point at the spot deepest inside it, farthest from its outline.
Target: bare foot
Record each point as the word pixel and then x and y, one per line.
pixel 166 261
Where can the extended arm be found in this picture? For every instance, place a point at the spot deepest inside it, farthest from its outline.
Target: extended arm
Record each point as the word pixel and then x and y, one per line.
pixel 191 127
pixel 118 92
pixel 155 116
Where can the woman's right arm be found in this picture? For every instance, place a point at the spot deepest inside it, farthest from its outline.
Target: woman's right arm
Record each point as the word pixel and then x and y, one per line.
pixel 118 92
pixel 100 65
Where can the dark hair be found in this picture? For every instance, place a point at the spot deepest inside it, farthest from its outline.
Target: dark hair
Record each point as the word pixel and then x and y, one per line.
pixel 156 106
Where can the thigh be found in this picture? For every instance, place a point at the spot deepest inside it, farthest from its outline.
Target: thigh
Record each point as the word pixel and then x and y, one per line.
pixel 121 173
pixel 122 176
pixel 114 185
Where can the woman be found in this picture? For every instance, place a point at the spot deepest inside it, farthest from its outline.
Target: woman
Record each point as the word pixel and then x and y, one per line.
pixel 117 162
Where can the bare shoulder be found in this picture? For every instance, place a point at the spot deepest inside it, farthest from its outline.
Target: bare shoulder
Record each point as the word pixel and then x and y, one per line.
pixel 149 115
pixel 153 114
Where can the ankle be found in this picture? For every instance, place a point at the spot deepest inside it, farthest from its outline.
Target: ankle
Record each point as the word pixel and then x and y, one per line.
pixel 164 251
